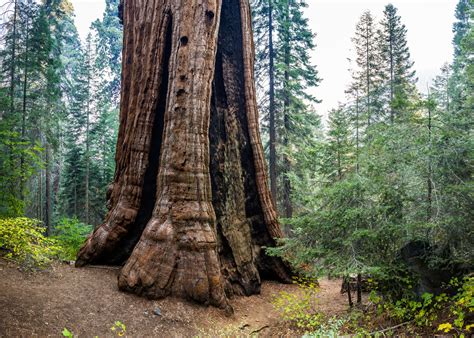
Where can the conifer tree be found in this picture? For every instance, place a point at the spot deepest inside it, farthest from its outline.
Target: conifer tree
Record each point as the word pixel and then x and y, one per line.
pixel 339 150
pixel 108 58
pixel 396 65
pixel 108 35
pixel 462 25
pixel 284 69
pixel 367 74
pixel 92 120
pixel 75 187
pixel 441 88
pixel 264 12
pixel 453 142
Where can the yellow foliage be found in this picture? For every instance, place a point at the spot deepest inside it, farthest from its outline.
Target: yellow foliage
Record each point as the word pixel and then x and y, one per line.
pixel 445 327
pixel 300 307
pixel 119 328
pixel 24 241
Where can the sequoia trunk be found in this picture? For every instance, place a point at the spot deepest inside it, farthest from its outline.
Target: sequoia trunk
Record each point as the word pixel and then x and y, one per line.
pixel 190 210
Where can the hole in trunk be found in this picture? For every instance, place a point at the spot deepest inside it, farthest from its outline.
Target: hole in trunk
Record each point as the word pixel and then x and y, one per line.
pixel 210 15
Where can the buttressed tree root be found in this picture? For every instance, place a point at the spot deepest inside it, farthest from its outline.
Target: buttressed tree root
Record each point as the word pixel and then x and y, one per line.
pixel 190 209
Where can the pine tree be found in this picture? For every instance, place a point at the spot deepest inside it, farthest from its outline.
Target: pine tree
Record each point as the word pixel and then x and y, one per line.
pixel 396 68
pixel 462 25
pixel 297 76
pixel 285 72
pixel 264 35
pixel 75 184
pixel 108 57
pixel 441 88
pixel 108 32
pixel 13 60
pixel 16 57
pixel 92 120
pixel 367 73
pixel 453 142
pixel 339 150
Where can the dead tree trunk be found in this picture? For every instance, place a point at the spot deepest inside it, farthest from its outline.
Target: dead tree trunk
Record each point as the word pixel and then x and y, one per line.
pixel 190 208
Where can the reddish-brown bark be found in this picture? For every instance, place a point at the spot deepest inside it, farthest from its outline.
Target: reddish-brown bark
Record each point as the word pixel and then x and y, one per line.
pixel 190 209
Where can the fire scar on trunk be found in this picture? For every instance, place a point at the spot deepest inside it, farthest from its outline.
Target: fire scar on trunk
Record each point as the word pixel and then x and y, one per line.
pixel 190 209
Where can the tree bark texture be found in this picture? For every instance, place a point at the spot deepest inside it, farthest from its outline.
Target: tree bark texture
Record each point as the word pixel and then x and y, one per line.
pixel 190 209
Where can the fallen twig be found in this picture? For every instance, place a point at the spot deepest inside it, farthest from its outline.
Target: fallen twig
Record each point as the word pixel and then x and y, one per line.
pixel 390 328
pixel 260 329
pixel 244 326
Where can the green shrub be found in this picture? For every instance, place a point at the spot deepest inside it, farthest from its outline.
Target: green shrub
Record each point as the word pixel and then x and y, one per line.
pixel 13 176
pixel 70 233
pixel 331 328
pixel 300 308
pixel 24 241
pixel 426 312
pixel 461 308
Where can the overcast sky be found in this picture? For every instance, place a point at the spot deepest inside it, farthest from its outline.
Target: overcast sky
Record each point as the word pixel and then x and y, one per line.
pixel 429 24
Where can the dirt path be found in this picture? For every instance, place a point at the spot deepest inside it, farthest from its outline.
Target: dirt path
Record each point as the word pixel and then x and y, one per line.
pixel 87 302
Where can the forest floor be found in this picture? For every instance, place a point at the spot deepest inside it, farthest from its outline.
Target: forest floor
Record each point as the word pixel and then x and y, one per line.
pixel 88 302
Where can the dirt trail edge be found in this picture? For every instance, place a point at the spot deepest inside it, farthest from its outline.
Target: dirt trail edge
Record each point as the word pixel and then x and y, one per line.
pixel 88 302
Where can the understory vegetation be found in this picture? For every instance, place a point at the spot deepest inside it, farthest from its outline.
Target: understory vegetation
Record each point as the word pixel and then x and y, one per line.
pixel 24 241
pixel 381 316
pixel 58 124
pixel 118 329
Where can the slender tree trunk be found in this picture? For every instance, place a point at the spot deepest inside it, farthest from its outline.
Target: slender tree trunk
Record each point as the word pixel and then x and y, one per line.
pixel 359 288
pixel 13 59
pixel 23 114
pixel 272 117
pixel 429 211
pixel 13 185
pixel 75 197
pixel 339 168
pixel 447 94
pixel 56 181
pixel 104 162
pixel 392 79
pixel 349 294
pixel 40 196
pixel 286 119
pixel 357 130
pixel 367 42
pixel 47 207
pixel 190 204
pixel 87 175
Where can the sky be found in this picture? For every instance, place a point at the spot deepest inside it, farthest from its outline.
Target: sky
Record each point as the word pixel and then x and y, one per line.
pixel 87 11
pixel 429 24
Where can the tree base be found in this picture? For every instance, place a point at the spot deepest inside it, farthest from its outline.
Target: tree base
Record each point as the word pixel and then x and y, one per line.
pixel 191 211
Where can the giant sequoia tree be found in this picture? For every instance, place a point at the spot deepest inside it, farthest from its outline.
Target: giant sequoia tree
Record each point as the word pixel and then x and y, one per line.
pixel 190 210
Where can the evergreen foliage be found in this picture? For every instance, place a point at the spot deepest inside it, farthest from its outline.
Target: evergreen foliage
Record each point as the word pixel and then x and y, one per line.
pixel 59 111
pixel 286 75
pixel 406 179
pixel 398 77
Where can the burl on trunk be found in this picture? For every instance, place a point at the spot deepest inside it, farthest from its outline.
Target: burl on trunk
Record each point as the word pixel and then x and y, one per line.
pixel 190 210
